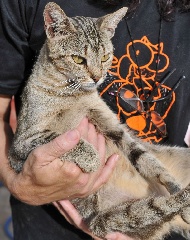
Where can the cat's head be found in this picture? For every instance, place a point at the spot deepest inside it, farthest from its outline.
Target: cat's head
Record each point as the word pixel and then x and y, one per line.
pixel 80 47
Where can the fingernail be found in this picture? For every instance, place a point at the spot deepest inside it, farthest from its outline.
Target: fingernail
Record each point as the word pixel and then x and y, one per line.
pixel 72 135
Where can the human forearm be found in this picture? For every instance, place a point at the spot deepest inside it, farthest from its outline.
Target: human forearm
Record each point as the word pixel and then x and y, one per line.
pixel 6 134
pixel 6 137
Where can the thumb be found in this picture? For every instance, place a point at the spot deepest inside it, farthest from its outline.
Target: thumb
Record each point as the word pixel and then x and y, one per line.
pixel 62 143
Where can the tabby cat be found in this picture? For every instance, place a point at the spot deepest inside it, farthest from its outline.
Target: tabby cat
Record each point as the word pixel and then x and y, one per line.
pixel 148 194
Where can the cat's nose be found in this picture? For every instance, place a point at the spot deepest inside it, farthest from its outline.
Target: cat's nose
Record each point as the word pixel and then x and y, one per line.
pixel 96 79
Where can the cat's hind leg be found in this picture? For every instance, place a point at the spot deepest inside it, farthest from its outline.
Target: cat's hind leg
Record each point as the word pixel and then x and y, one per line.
pixel 141 218
pixel 150 167
pixel 145 163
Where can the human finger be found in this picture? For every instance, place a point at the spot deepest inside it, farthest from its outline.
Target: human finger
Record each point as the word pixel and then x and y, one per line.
pixel 101 148
pixel 83 128
pixel 71 213
pixel 92 137
pixel 67 209
pixel 61 144
pixel 88 132
pixel 117 236
pixel 106 172
pixel 58 205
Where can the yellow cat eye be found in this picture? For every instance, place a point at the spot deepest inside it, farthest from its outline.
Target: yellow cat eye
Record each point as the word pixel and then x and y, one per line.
pixel 105 58
pixel 78 59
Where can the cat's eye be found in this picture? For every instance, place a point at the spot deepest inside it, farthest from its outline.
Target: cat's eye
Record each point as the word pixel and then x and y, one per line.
pixel 78 59
pixel 105 58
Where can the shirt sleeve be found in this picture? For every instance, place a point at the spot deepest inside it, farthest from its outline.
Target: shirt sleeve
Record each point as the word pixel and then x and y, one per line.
pixel 15 53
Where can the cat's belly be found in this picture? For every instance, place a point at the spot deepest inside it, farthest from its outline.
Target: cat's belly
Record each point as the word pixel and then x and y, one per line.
pixel 129 183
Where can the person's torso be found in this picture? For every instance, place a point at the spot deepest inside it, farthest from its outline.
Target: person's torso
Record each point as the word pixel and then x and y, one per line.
pixel 147 49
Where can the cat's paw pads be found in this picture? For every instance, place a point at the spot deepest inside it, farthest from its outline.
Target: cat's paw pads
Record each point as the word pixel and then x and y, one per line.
pixel 185 215
pixel 84 155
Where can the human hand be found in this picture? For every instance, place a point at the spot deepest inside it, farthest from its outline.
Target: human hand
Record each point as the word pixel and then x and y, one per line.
pixel 66 208
pixel 45 178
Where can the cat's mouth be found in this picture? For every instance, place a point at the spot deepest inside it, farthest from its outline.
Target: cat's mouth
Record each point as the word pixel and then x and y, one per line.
pixel 89 86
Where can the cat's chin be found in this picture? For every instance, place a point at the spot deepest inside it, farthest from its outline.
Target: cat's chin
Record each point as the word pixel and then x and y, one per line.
pixel 89 86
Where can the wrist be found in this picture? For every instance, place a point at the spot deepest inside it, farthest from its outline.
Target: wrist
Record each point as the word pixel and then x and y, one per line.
pixel 21 188
pixel 17 184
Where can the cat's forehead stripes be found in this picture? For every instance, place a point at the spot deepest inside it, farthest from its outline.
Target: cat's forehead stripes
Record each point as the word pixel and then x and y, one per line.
pixel 90 31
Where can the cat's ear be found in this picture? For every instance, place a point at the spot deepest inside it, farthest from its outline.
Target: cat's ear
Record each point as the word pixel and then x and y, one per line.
pixel 109 22
pixel 56 22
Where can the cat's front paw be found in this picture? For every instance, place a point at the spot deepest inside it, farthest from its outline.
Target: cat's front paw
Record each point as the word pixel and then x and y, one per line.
pixel 84 155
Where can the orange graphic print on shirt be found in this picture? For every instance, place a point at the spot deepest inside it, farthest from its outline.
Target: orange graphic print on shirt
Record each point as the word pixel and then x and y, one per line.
pixel 136 77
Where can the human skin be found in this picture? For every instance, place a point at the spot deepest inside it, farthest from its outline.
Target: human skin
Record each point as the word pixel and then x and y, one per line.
pixel 38 174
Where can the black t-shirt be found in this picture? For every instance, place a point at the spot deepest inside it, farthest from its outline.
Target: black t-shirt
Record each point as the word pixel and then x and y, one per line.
pixel 158 48
pixel 147 49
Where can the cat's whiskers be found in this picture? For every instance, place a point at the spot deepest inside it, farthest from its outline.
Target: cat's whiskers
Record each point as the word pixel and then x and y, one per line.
pixel 74 85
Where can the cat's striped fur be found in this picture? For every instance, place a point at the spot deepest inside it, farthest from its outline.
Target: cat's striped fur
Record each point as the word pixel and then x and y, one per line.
pixel 60 92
